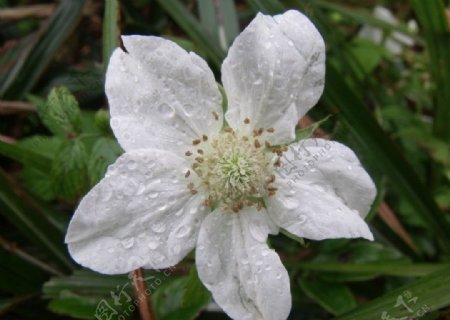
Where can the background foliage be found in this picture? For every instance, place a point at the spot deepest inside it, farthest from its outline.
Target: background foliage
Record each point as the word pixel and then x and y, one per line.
pixel 392 108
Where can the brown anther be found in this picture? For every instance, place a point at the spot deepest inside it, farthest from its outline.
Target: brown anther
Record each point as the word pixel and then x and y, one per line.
pixel 188 173
pixel 200 151
pixel 267 144
pixel 199 159
pixel 204 137
pixel 208 202
pixel 271 193
pixel 229 130
pixel 245 138
pixel 199 173
pixel 271 130
pixel 195 166
pixel 255 133
pixel 190 186
pixel 246 120
pixel 271 179
pixel 259 206
pixel 196 142
pixel 257 144
pixel 240 205
pixel 216 116
pixel 277 163
pixel 188 153
pixel 272 189
pixel 194 191
pixel 235 208
pixel 249 203
pixel 260 131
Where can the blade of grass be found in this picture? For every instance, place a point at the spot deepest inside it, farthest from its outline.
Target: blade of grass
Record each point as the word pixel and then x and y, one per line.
pixel 387 269
pixel 389 159
pixel 194 30
pixel 267 6
pixel 33 225
pixel 41 49
pixel 433 20
pixel 111 29
pixel 431 293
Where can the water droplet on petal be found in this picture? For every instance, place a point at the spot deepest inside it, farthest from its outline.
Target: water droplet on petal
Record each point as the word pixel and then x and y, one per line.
pixel 153 195
pixel 166 111
pixel 128 243
pixel 158 227
pixel 183 231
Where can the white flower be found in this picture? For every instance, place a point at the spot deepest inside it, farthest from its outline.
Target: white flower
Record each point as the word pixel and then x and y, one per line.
pixel 396 40
pixel 186 182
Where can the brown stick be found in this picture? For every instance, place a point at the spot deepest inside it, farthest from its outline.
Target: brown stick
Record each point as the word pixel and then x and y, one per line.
pixel 142 295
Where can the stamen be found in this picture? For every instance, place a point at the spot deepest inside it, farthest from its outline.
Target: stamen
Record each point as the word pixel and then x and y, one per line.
pixel 257 144
pixel 188 173
pixel 193 191
pixel 267 144
pixel 246 120
pixel 271 130
pixel 204 137
pixel 188 153
pixel 216 116
pixel 200 151
pixel 196 142
pixel 228 130
pixel 199 159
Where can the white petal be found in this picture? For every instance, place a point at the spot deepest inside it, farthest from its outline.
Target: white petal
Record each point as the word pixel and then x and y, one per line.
pixel 246 278
pixel 140 214
pixel 323 192
pixel 274 73
pixel 160 96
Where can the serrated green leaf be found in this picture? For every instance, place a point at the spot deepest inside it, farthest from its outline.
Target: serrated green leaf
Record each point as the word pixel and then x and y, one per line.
pixel 61 113
pixel 305 133
pixel 195 293
pixel 336 298
pixel 69 170
pixel 172 302
pixel 104 152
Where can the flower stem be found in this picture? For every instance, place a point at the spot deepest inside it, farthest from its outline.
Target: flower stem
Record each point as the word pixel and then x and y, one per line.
pixel 142 295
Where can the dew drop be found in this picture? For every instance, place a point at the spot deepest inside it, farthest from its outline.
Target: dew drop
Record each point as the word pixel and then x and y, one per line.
pixel 193 210
pixel 153 195
pixel 128 243
pixel 183 231
pixel 110 250
pixel 158 227
pixel 166 111
pixel 278 276
pixel 132 165
pixel 290 43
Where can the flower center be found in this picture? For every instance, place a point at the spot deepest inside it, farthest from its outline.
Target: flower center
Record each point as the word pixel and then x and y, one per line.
pixel 232 169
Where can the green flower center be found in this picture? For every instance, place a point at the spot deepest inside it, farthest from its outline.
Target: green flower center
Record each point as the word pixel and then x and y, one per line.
pixel 233 170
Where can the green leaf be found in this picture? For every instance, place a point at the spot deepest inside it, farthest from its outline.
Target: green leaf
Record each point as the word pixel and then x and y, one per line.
pixel 86 294
pixel 111 29
pixel 40 51
pixel 305 133
pixel 336 298
pixel 104 152
pixel 427 294
pixel 195 293
pixel 31 221
pixel 61 113
pixel 193 28
pixel 69 170
pixel 182 298
pixel 25 156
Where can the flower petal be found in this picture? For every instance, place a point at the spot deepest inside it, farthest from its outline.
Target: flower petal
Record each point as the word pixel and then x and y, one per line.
pixel 323 192
pixel 160 96
pixel 140 214
pixel 274 73
pixel 246 278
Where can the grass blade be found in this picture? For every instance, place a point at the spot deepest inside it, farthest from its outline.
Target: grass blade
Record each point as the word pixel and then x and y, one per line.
pixel 42 49
pixel 193 28
pixel 111 29
pixel 429 293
